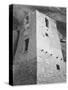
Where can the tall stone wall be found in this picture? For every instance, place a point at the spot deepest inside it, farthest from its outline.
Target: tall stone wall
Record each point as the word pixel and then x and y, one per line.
pixel 50 65
pixel 38 58
pixel 25 63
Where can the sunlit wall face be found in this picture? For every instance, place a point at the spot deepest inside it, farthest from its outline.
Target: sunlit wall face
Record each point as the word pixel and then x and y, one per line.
pixel 49 65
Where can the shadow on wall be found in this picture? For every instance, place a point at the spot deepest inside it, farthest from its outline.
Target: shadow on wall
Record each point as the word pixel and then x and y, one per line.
pixel 16 32
pixel 61 26
pixel 15 41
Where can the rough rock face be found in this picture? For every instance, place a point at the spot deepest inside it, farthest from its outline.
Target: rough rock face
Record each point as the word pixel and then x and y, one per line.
pixel 39 57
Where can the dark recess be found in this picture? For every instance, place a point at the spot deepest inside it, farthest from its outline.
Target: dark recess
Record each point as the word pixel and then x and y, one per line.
pixel 46 34
pixel 27 19
pixel 26 44
pixel 58 67
pixel 16 43
pixel 46 20
pixel 61 26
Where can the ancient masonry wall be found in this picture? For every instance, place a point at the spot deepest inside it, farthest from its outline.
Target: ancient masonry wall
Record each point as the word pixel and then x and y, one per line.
pixel 38 57
pixel 50 65
pixel 25 61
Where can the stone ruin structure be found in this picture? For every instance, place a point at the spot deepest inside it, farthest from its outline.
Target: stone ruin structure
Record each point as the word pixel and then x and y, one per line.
pixel 38 58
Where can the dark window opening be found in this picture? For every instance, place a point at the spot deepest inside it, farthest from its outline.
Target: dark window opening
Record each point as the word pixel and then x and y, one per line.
pixel 46 34
pixel 27 19
pixel 46 20
pixel 58 67
pixel 26 44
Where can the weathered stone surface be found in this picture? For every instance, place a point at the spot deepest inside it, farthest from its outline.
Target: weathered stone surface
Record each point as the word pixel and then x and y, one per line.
pixel 42 61
pixel 50 69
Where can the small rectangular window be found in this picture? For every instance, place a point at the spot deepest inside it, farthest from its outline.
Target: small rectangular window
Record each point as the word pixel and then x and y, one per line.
pixel 27 19
pixel 46 21
pixel 26 44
